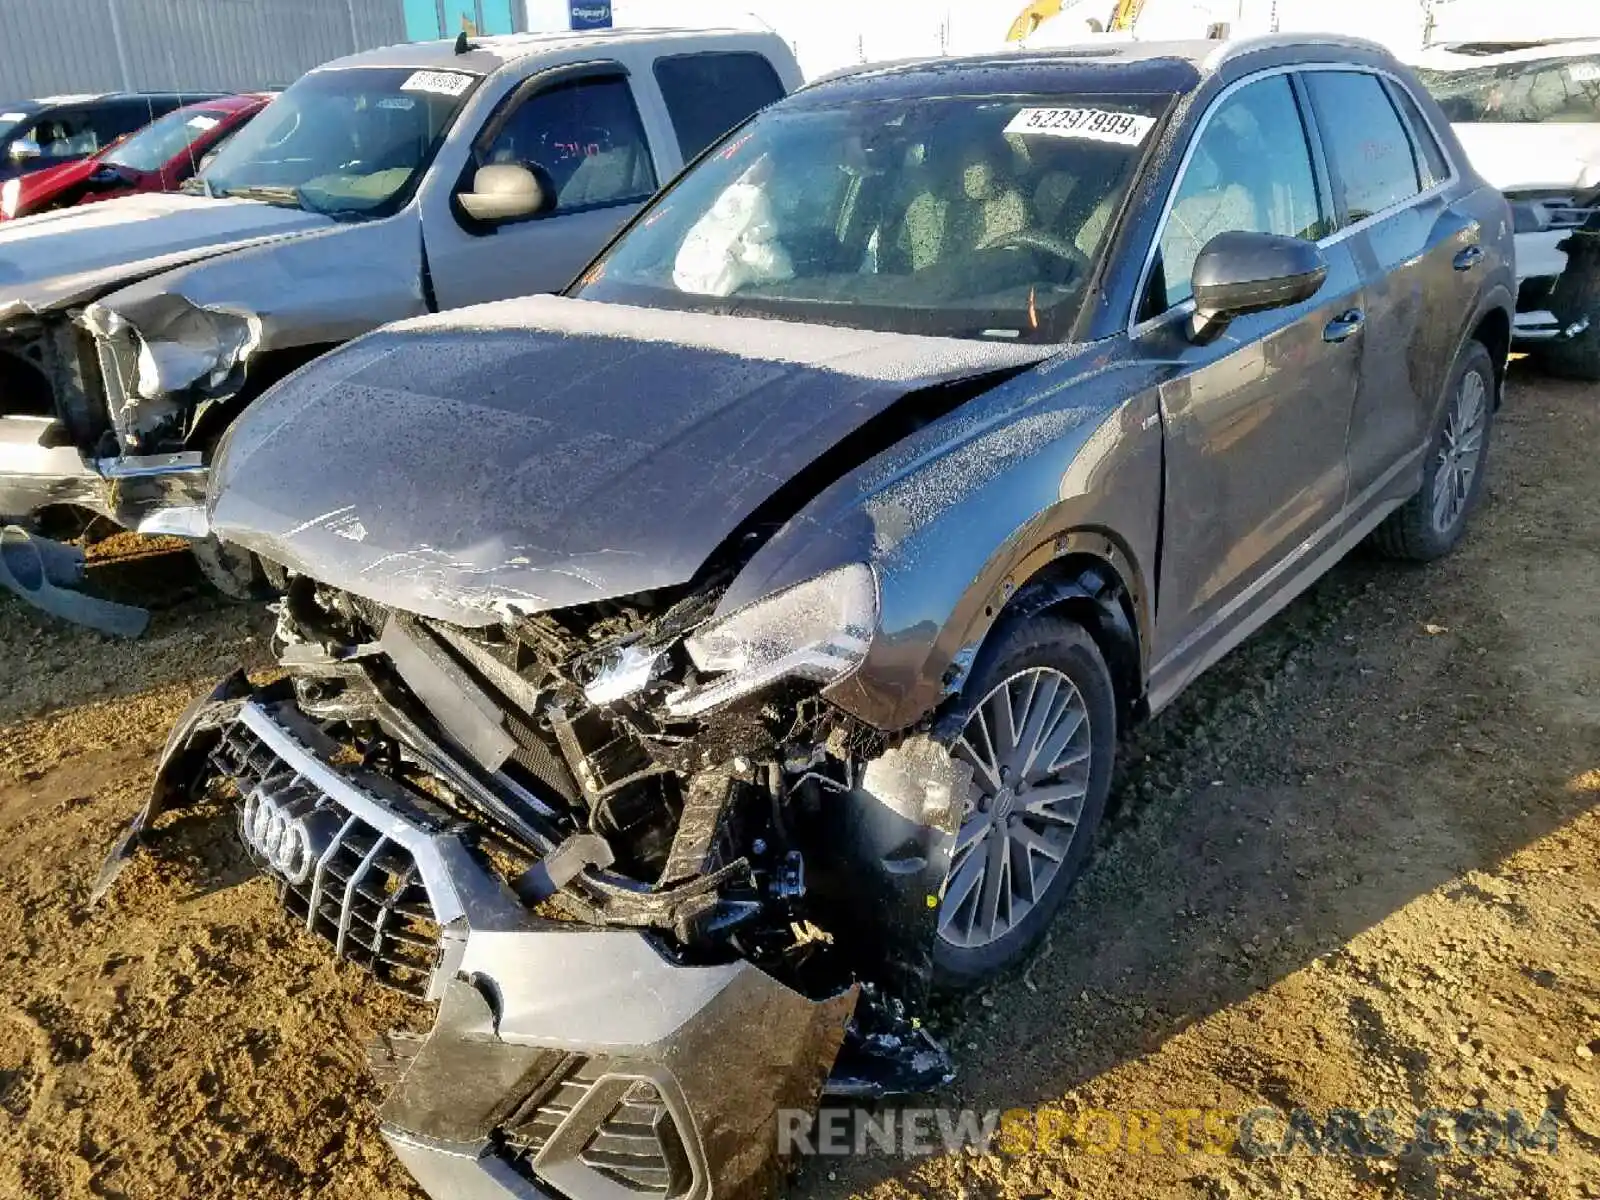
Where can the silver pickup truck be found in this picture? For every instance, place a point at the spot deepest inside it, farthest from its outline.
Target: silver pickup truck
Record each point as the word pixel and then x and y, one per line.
pixel 386 185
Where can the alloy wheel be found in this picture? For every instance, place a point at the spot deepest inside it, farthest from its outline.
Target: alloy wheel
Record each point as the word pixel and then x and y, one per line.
pixel 1460 451
pixel 1028 742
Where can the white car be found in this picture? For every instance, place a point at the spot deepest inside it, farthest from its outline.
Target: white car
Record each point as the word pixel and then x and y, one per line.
pixel 1529 119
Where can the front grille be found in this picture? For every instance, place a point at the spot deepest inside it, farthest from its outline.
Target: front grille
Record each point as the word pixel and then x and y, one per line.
pixel 628 1138
pixel 353 887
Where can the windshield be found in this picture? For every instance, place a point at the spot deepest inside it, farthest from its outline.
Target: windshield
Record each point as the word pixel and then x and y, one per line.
pixel 158 143
pixel 345 142
pixel 956 217
pixel 1524 93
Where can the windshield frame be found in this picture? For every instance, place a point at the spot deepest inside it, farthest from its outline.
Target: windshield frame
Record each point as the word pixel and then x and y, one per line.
pixel 1077 329
pixel 201 183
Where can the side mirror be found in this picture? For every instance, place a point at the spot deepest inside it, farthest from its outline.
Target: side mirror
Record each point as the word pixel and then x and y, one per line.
pixel 22 150
pixel 1238 273
pixel 503 192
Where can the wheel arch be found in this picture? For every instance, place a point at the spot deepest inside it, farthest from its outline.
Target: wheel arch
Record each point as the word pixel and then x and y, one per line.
pixel 1493 330
pixel 1089 577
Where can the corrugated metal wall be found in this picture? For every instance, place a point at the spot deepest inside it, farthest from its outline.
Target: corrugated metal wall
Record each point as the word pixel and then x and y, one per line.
pixel 53 46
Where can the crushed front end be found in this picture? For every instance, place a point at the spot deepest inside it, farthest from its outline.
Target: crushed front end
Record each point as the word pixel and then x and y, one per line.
pixel 654 899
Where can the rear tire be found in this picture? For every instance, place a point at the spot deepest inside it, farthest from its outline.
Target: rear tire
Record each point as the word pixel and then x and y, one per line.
pixel 1430 524
pixel 1037 799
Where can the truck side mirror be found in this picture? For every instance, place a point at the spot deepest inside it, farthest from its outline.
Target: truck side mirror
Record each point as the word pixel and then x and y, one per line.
pixel 503 192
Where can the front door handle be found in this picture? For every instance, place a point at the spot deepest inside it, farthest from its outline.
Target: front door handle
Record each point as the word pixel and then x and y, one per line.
pixel 1346 325
pixel 1468 258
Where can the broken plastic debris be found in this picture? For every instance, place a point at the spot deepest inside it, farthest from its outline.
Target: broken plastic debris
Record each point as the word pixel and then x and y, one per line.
pixel 41 571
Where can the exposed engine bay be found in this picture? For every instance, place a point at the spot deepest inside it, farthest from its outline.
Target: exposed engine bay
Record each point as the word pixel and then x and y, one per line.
pixel 592 753
pixel 450 807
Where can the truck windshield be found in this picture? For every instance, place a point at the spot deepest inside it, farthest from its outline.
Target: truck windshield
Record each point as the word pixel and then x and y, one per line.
pixel 1523 93
pixel 350 142
pixel 954 217
pixel 158 143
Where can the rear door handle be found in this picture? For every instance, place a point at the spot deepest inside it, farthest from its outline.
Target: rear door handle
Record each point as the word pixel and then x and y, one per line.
pixel 1468 258
pixel 1346 325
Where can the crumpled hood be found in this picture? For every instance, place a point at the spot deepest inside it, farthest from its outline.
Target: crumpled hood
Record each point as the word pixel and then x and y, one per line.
pixel 545 452
pixel 76 254
pixel 1527 156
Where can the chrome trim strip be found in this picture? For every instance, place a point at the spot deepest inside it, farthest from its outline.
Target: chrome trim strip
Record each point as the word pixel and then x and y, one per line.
pixel 436 876
pixel 352 885
pixel 1136 327
pixel 315 896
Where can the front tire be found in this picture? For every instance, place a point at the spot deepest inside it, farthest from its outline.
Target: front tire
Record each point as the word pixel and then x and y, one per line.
pixel 1430 524
pixel 1038 727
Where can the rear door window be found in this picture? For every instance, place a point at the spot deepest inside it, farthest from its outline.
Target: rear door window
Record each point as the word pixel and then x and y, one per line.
pixel 1369 152
pixel 708 94
pixel 583 139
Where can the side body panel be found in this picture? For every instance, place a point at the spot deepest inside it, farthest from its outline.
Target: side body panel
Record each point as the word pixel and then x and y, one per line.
pixel 1255 461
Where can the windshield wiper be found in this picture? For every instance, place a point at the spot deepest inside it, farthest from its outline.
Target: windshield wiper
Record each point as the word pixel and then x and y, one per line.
pixel 284 197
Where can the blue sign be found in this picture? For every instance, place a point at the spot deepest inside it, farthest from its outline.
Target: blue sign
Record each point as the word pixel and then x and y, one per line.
pixel 590 14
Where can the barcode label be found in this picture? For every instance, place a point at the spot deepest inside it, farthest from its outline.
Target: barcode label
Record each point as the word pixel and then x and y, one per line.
pixel 1088 124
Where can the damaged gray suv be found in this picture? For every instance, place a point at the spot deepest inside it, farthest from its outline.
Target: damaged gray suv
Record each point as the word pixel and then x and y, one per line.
pixel 684 675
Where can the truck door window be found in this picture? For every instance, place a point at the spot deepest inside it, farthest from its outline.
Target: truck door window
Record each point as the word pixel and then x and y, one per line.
pixel 585 141
pixel 1373 164
pixel 708 94
pixel 1250 171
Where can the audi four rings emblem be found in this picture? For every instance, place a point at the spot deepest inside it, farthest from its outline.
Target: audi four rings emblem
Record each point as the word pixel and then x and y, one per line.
pixel 291 844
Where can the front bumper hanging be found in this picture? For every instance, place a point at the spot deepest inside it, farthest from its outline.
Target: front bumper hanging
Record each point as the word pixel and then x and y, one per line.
pixel 565 1059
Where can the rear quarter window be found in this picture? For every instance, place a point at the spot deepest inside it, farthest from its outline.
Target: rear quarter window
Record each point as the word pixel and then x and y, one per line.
pixel 708 94
pixel 1435 167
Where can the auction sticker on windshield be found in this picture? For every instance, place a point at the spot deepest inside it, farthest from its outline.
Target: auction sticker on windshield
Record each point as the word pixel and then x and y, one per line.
pixel 444 83
pixel 1089 124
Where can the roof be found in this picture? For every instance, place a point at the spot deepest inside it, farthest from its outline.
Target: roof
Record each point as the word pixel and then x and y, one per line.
pixel 1110 65
pixel 1475 56
pixel 489 54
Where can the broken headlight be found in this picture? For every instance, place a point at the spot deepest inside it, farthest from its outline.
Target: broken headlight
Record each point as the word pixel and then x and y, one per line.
pixel 818 630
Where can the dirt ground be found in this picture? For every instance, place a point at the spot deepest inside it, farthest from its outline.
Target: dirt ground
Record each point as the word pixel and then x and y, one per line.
pixel 1356 867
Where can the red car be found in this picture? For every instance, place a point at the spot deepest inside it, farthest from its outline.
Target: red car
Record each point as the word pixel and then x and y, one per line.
pixel 155 159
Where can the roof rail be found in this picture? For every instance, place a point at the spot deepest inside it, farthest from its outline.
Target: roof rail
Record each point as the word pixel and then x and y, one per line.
pixel 1239 47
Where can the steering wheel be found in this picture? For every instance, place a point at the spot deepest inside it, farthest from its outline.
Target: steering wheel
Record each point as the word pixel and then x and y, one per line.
pixel 1033 239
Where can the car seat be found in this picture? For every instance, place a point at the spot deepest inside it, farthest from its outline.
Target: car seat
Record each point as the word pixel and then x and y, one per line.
pixel 969 201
